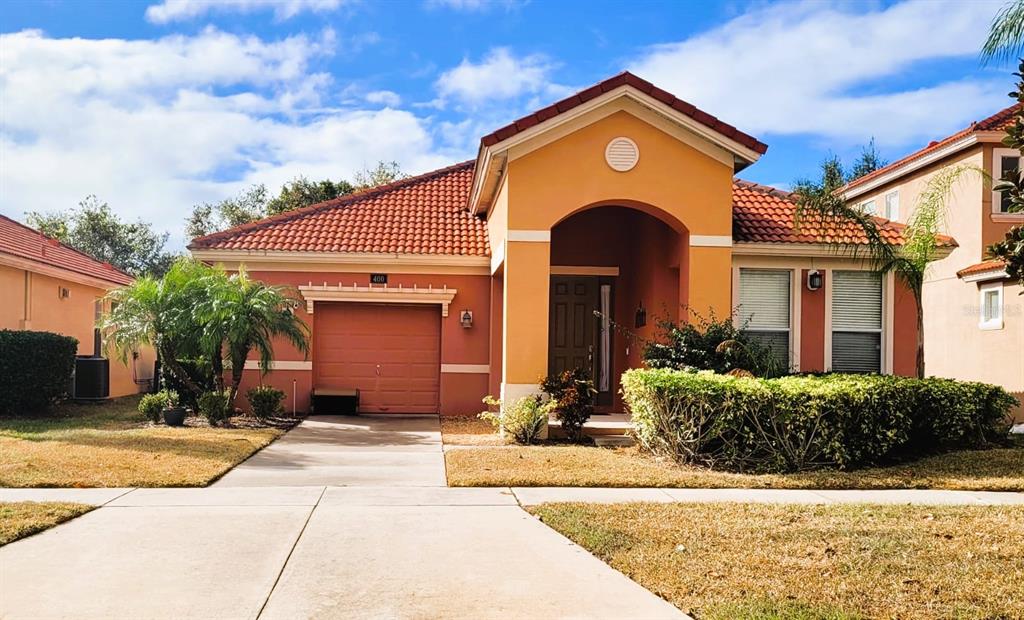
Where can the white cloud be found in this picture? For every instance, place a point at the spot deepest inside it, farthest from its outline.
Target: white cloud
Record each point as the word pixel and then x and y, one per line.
pixel 175 10
pixel 154 127
pixel 384 97
pixel 500 75
pixel 813 68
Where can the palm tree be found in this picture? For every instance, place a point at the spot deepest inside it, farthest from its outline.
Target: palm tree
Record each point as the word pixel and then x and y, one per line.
pixel 823 202
pixel 158 312
pixel 1006 34
pixel 240 314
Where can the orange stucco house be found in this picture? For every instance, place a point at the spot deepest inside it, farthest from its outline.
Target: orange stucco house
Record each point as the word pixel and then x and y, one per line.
pixel 50 287
pixel 429 293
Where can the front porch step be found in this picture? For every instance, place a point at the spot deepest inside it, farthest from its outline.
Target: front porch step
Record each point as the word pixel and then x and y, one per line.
pixel 599 425
pixel 614 441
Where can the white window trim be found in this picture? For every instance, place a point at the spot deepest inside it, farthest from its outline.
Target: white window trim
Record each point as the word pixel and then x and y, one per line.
pixel 895 194
pixel 795 292
pixel 997 173
pixel 888 320
pixel 874 208
pixel 995 322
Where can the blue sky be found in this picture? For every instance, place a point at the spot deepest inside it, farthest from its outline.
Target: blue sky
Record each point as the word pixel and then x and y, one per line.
pixel 155 106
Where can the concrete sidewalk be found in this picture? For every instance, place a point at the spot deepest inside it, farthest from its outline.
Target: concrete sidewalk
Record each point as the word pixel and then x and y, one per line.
pixel 313 552
pixel 531 496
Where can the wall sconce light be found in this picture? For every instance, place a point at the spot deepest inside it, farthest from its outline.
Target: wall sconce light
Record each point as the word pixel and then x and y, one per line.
pixel 641 317
pixel 466 318
pixel 814 280
pixel 63 293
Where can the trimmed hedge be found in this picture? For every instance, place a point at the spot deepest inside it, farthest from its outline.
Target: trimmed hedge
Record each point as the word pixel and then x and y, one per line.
pixel 808 422
pixel 35 370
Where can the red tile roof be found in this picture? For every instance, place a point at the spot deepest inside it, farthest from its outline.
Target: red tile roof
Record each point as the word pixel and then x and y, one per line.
pixel 762 214
pixel 989 265
pixel 623 79
pixel 427 215
pixel 424 214
pixel 26 243
pixel 997 122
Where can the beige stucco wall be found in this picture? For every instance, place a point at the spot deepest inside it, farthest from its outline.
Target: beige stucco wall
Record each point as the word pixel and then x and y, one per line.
pixel 955 346
pixel 71 316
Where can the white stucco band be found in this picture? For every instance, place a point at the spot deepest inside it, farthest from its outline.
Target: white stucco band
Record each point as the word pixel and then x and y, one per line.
pixel 535 236
pixel 468 369
pixel 710 241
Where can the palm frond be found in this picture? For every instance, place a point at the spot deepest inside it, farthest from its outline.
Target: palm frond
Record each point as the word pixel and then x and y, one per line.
pixel 1006 34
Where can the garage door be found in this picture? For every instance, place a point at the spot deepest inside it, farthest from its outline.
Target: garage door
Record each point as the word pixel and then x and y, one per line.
pixel 390 353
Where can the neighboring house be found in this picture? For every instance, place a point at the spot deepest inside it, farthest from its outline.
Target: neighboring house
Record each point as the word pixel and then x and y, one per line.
pixel 49 287
pixel 616 204
pixel 973 314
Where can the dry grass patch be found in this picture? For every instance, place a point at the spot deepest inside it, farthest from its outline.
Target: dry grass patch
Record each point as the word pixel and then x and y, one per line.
pixel 1000 469
pixel 469 431
pixel 838 561
pixel 108 445
pixel 21 519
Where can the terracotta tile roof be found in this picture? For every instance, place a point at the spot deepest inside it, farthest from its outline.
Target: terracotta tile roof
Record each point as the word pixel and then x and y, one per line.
pixel 425 214
pixel 762 214
pixel 999 121
pixel 989 265
pixel 622 79
pixel 27 243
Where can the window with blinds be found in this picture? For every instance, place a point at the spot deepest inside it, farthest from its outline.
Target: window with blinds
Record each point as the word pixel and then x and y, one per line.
pixel 764 312
pixel 856 321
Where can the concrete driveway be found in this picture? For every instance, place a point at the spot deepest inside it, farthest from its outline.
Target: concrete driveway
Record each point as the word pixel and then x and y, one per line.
pixel 401 451
pixel 356 544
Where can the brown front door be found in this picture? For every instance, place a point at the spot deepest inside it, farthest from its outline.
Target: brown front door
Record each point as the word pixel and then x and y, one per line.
pixel 572 339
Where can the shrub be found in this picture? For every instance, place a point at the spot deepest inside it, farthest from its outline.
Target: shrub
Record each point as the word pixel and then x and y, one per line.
pixel 525 419
pixel 572 392
pixel 808 422
pixel 35 370
pixel 215 407
pixel 153 404
pixel 710 344
pixel 265 401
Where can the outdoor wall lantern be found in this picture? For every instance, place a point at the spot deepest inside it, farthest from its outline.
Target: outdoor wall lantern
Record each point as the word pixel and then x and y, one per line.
pixel 641 317
pixel 814 280
pixel 466 318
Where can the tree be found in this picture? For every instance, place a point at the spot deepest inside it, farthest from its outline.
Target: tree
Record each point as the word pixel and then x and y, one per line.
pixel 159 312
pixel 239 314
pixel 383 173
pixel 821 201
pixel 1006 34
pixel 249 205
pixel 94 229
pixel 867 162
pixel 302 192
pixel 255 203
pixel 1011 249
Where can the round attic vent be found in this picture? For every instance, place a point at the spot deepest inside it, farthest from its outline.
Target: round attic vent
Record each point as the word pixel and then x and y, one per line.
pixel 621 154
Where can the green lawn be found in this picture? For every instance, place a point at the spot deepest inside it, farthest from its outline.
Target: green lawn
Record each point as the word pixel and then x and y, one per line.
pixel 110 445
pixel 757 561
pixel 21 519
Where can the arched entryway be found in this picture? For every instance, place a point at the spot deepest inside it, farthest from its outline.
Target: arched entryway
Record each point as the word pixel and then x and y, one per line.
pixel 616 270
